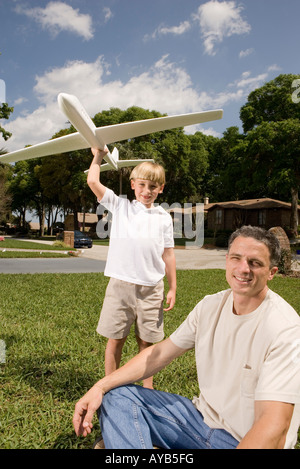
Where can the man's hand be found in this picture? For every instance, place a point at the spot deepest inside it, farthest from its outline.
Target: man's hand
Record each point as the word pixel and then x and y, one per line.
pixel 85 409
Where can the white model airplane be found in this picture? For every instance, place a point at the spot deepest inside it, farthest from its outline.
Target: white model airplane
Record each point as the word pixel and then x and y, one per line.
pixel 89 135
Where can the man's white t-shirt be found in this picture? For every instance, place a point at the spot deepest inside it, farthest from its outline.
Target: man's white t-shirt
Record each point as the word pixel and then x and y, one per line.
pixel 138 238
pixel 241 359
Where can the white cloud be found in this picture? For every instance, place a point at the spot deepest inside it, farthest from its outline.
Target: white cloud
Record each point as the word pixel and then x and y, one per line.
pixel 20 101
pixel 76 77
pixel 58 16
pixel 107 14
pixel 218 20
pixel 183 27
pixel 248 83
pixel 245 53
pixel 274 68
pixel 165 87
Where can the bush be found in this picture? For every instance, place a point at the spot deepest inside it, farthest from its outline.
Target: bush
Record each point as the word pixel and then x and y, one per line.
pixel 284 265
pixel 61 244
pixel 222 240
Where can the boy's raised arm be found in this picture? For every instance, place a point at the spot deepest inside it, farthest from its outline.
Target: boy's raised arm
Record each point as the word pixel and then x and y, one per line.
pixel 93 178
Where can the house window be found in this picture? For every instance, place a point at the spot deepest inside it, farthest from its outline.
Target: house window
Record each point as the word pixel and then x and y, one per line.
pixel 218 217
pixel 261 217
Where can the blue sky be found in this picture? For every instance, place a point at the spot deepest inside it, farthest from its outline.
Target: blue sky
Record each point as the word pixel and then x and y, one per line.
pixel 174 56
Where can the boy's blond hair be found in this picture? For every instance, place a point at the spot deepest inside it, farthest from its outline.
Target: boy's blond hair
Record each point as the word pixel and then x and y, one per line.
pixel 150 171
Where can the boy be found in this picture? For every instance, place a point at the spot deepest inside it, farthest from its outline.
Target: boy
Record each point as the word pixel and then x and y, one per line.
pixel 140 254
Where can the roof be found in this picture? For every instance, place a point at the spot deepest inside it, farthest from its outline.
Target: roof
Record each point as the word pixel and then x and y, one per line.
pixel 35 225
pixel 234 204
pixel 251 204
pixel 89 217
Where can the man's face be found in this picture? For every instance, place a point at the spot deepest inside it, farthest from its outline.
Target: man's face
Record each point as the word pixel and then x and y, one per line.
pixel 248 266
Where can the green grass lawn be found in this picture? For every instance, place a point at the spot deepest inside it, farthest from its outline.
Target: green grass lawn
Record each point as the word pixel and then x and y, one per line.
pixel 53 354
pixel 21 244
pixel 35 250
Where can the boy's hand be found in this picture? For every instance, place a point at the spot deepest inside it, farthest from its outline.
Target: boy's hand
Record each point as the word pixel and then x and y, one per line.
pixel 100 153
pixel 170 300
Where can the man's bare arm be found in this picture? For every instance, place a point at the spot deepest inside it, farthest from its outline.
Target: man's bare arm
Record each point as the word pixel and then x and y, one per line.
pixel 272 421
pixel 145 364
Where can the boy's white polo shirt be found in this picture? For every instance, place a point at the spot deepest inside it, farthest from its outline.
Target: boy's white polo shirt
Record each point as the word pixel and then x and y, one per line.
pixel 138 238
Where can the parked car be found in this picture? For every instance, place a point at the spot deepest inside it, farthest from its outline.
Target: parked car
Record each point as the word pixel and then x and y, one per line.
pixel 82 240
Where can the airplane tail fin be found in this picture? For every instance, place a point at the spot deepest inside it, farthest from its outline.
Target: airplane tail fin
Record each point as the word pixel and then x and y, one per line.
pixel 115 155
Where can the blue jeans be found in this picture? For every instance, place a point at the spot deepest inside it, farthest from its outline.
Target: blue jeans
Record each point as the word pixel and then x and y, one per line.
pixel 133 417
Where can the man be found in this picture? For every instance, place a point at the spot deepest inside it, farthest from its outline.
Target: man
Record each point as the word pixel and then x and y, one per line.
pixel 246 342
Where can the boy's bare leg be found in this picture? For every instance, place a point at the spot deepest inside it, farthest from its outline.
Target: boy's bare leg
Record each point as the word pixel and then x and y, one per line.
pixel 148 382
pixel 113 353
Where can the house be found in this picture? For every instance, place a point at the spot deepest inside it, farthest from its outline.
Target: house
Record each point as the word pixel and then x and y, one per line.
pixel 86 221
pixel 35 226
pixel 257 212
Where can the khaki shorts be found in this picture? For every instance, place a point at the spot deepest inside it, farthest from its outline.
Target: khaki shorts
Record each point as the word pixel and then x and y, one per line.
pixel 127 303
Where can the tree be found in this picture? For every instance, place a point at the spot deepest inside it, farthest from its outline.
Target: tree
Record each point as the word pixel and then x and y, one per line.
pixel 5 197
pixel 20 189
pixel 272 102
pixel 224 179
pixel 274 120
pixel 5 111
pixel 273 159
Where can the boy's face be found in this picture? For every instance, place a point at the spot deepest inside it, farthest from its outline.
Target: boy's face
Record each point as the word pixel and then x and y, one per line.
pixel 146 191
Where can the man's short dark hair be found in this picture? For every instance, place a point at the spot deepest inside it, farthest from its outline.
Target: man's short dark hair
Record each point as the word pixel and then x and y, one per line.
pixel 262 235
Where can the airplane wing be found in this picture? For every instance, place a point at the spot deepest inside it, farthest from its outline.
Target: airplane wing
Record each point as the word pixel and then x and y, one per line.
pixel 58 145
pixel 148 126
pixel 88 135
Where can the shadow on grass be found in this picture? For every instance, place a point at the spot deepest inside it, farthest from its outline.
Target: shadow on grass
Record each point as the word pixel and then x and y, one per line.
pixel 55 374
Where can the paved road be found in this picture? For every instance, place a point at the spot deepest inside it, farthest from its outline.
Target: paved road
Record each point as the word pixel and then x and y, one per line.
pixel 93 260
pixel 37 266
